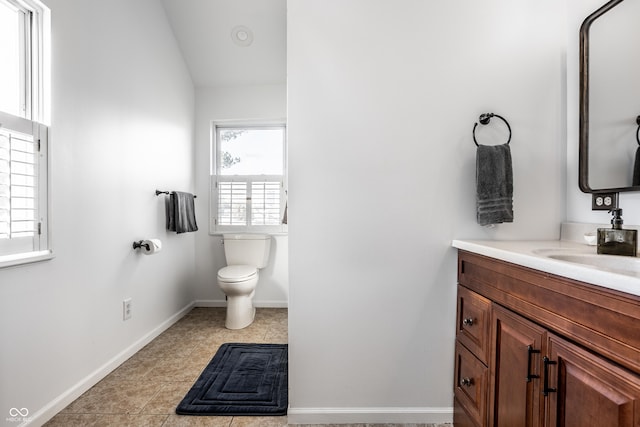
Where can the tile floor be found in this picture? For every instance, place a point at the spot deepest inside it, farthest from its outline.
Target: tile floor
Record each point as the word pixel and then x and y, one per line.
pixel 145 390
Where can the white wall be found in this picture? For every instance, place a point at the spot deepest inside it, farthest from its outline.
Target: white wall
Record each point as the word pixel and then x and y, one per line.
pixel 382 98
pixel 235 103
pixel 578 203
pixel 122 126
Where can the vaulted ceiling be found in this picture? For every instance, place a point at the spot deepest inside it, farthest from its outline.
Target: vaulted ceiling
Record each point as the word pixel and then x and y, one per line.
pixel 231 42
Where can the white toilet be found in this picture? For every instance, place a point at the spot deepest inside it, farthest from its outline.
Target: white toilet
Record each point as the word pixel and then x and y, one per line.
pixel 245 254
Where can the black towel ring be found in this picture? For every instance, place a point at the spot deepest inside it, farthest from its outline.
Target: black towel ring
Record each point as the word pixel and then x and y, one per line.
pixel 638 130
pixel 486 118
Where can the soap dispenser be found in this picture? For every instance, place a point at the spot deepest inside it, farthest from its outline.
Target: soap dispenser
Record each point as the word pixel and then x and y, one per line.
pixel 616 240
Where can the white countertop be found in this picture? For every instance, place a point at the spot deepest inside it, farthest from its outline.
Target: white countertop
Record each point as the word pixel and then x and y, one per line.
pixel 532 254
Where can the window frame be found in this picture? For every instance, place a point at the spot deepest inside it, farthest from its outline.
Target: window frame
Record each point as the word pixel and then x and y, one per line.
pixel 35 116
pixel 216 177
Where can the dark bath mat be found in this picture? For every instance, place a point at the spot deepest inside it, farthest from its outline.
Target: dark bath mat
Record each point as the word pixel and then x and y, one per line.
pixel 241 379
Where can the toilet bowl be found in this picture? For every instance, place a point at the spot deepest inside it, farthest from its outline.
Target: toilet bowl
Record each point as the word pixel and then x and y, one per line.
pixel 238 282
pixel 245 255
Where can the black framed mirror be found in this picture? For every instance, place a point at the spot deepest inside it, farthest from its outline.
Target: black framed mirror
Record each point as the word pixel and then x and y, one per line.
pixel 609 134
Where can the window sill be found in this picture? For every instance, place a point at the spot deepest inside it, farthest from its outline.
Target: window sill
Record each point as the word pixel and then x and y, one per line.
pixel 269 233
pixel 25 258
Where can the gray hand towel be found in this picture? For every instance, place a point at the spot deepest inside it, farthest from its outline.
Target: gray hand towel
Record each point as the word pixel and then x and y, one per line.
pixel 494 184
pixel 181 215
pixel 636 169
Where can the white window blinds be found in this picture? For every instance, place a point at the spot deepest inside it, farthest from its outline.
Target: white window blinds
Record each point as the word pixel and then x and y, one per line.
pixel 249 201
pixel 265 203
pixel 20 204
pixel 232 203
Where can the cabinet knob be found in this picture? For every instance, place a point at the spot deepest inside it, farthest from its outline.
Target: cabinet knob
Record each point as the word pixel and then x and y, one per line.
pixel 466 382
pixel 468 321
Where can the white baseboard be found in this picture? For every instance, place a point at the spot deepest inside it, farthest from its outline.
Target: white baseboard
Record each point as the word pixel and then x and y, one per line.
pixel 258 304
pixel 209 303
pixel 62 401
pixel 271 304
pixel 369 415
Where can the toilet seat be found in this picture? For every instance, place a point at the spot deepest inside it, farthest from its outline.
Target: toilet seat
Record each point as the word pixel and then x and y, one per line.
pixel 237 273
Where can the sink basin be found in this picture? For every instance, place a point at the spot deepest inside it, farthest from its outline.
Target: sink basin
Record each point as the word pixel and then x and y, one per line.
pixel 613 263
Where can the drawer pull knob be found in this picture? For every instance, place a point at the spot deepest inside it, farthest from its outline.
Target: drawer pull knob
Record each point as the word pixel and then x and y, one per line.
pixel 468 321
pixel 466 382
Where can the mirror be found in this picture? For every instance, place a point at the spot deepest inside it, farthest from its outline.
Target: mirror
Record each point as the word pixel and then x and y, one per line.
pixel 610 99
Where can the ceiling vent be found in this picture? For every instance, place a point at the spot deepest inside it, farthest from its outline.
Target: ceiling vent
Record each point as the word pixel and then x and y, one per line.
pixel 242 36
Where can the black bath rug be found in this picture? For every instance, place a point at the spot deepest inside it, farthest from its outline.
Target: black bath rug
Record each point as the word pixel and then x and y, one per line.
pixel 241 379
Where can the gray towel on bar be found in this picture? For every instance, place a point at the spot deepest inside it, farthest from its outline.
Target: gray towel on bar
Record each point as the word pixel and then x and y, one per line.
pixel 636 169
pixel 284 218
pixel 181 214
pixel 494 184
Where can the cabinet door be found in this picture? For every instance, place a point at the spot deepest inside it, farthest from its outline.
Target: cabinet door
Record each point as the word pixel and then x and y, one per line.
pixel 587 390
pixel 515 370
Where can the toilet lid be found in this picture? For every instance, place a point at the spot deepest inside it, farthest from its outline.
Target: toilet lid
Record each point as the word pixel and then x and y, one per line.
pixel 237 273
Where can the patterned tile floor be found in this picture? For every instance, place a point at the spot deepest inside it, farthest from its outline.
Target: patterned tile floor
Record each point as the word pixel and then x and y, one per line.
pixel 145 390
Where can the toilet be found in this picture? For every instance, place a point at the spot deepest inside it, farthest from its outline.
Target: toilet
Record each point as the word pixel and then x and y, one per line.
pixel 245 254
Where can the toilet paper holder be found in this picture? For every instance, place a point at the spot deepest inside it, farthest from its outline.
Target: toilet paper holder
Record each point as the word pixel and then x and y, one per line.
pixel 141 244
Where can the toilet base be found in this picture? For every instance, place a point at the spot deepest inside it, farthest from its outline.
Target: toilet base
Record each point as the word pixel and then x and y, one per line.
pixel 240 312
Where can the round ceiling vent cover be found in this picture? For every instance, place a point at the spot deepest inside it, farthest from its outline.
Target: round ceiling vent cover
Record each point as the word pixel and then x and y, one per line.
pixel 242 36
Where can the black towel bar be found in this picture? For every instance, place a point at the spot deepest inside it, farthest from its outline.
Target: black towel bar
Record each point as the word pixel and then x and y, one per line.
pixel 158 192
pixel 486 118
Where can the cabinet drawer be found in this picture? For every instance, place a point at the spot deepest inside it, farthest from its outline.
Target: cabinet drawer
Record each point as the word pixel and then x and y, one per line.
pixel 473 322
pixel 470 386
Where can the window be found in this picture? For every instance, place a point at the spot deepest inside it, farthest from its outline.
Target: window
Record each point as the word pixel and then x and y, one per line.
pixel 24 230
pixel 248 182
pixel 14 35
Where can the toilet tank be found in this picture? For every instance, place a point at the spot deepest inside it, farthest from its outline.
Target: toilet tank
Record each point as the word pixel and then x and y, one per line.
pixel 248 249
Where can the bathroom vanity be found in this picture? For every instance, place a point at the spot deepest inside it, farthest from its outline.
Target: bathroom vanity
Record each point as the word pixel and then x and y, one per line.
pixel 541 341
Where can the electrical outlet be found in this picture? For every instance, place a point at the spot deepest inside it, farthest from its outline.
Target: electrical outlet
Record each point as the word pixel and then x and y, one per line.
pixel 126 309
pixel 604 201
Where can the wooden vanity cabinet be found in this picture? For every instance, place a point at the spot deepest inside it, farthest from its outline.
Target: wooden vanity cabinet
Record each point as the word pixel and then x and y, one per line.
pixel 533 349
